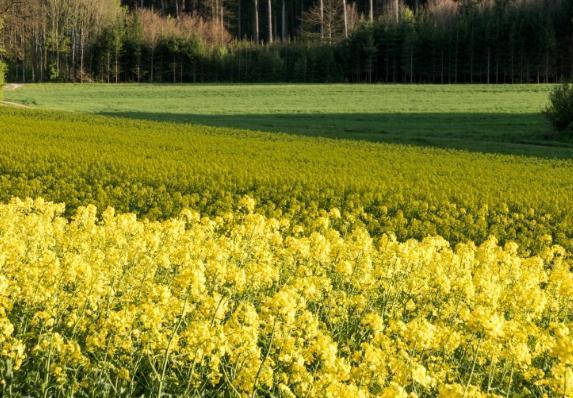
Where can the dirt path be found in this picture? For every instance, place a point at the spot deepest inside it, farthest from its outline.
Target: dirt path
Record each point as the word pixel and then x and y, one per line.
pixel 12 86
pixel 14 104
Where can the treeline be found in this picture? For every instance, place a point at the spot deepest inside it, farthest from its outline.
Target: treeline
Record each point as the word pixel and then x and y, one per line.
pixel 442 41
pixel 495 42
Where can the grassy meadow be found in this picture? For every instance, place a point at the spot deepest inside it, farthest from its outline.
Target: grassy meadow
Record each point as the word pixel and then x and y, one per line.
pixel 487 118
pixel 215 240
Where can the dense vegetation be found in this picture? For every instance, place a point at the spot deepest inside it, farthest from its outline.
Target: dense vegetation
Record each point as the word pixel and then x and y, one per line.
pixel 240 305
pixel 267 264
pixel 560 109
pixel 441 41
pixel 157 169
pixel 487 118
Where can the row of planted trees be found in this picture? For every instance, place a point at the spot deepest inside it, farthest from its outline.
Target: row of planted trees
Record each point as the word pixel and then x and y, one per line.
pixel 444 42
pixel 498 42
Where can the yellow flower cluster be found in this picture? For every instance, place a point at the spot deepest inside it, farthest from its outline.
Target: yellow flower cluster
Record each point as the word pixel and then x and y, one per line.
pixel 245 305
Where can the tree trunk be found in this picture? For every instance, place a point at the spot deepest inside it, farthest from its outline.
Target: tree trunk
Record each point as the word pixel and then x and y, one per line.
pixel 488 64
pixel 283 24
pixel 74 46
pixel 571 71
pixel 43 54
pixel 472 67
pixel 23 62
pixel 547 68
pixel 387 69
pixel 270 23
pixel 152 64
pixel 321 20
pixel 82 45
pixel 256 21
pixel 497 67
pixel 397 10
pixel 345 11
pixel 442 69
pixel 222 13
pixel 239 32
pixel 116 68
pixel 456 58
pixel 302 24
pixel 412 65
pixel 371 14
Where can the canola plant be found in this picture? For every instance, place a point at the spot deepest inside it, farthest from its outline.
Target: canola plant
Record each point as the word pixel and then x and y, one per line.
pixel 245 305
pixel 249 264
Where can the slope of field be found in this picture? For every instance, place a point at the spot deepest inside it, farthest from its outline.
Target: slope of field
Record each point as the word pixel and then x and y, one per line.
pixel 279 265
pixel 156 169
pixel 489 118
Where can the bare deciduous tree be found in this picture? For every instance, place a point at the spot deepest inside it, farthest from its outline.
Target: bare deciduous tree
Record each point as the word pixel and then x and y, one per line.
pixel 328 20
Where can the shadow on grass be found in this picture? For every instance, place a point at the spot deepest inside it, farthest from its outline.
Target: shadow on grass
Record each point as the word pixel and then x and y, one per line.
pixel 522 134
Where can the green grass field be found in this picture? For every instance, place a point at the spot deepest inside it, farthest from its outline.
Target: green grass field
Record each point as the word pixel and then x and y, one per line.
pixel 503 119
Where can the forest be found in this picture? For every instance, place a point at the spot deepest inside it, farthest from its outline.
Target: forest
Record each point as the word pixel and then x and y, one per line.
pixel 411 41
